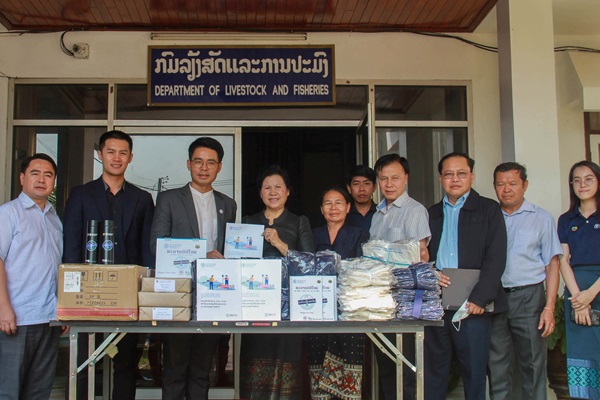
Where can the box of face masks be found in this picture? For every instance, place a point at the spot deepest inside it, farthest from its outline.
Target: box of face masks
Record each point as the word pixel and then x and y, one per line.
pixel 174 257
pixel 313 298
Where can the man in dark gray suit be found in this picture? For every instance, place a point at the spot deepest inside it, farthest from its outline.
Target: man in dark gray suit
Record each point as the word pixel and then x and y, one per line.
pixel 193 211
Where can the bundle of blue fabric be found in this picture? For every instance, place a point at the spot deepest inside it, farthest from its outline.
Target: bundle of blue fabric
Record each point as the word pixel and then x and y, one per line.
pixel 417 292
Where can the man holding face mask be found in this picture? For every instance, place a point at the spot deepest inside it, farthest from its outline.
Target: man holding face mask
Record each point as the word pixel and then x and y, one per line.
pixel 467 231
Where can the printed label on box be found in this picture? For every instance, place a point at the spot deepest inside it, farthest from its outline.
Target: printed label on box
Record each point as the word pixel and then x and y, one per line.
pixel 162 313
pixel 72 283
pixel 164 285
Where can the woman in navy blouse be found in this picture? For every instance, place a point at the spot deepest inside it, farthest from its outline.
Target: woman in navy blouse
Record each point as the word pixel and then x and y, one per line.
pixel 335 361
pixel 579 234
pixel 338 236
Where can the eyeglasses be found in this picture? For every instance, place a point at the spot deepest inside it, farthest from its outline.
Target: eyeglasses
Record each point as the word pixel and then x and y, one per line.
pixel 198 163
pixel 462 175
pixel 338 204
pixel 588 180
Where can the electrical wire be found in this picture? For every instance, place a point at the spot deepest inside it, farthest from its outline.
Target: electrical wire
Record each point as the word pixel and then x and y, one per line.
pixel 461 39
pixel 494 49
pixel 63 47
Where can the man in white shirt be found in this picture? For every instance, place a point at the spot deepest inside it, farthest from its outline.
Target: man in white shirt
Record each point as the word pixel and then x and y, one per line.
pixel 398 217
pixel 193 211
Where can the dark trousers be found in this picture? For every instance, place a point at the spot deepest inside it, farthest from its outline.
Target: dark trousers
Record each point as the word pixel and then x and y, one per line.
pixel 187 360
pixel 516 333
pixel 28 362
pixel 471 344
pixel 124 367
pixel 387 370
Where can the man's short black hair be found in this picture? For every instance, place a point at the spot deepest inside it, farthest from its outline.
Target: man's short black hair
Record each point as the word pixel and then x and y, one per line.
pixel 363 171
pixel 119 135
pixel 209 143
pixel 39 156
pixel 470 161
pixel 387 159
pixel 511 166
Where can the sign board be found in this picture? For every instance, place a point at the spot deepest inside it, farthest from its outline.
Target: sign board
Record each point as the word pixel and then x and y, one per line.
pixel 241 75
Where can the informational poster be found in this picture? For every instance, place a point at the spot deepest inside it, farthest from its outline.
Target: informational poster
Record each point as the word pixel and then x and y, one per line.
pixel 218 290
pixel 243 241
pixel 261 290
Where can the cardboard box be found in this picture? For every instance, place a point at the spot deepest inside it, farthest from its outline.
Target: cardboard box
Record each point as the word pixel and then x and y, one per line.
pixel 306 298
pixel 313 298
pixel 150 299
pixel 329 299
pixel 165 314
pixel 167 285
pixel 174 257
pixel 99 292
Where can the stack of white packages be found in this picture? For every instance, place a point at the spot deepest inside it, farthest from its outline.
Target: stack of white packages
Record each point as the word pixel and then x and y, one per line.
pixel 400 253
pixel 364 290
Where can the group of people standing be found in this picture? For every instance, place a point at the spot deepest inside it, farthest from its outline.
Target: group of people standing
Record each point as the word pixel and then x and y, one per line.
pixel 514 244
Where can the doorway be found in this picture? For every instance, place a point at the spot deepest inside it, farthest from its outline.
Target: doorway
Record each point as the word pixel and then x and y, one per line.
pixel 314 157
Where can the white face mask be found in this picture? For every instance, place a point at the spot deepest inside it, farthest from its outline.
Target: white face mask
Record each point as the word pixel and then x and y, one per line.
pixel 460 314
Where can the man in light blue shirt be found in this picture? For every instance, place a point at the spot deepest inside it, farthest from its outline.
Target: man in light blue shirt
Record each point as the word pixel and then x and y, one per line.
pixel 532 259
pixel 448 251
pixel 31 246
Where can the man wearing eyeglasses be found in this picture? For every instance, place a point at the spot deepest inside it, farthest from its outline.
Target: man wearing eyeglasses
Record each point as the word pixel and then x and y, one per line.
pixel 467 231
pixel 193 211
pixel 398 217
pixel 532 259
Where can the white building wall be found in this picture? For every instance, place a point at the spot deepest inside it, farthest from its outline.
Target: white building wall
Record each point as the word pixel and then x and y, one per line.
pixel 391 58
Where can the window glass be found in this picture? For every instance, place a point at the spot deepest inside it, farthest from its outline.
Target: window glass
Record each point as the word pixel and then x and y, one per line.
pixel 420 103
pixel 423 148
pixel 61 101
pixel 160 163
pixel 63 144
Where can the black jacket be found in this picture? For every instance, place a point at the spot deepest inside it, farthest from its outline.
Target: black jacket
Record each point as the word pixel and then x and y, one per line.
pixel 481 245
pixel 89 201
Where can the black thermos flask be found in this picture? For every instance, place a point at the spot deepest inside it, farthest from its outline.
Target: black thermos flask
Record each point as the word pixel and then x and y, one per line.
pixel 108 242
pixel 91 242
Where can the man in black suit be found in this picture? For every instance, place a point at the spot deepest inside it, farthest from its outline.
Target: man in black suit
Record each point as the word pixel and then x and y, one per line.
pixel 131 209
pixel 467 231
pixel 193 211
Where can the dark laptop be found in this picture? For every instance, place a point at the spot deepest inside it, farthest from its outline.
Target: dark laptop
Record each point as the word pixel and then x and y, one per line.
pixel 463 282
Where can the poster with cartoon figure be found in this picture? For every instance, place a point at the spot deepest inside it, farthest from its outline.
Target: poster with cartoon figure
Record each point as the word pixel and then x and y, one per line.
pixel 218 296
pixel 261 290
pixel 243 241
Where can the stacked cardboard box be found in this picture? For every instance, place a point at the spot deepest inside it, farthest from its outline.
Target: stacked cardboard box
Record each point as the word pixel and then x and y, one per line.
pixel 99 292
pixel 165 299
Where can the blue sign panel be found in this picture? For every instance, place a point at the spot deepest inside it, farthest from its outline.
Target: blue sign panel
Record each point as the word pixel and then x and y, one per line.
pixel 240 75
